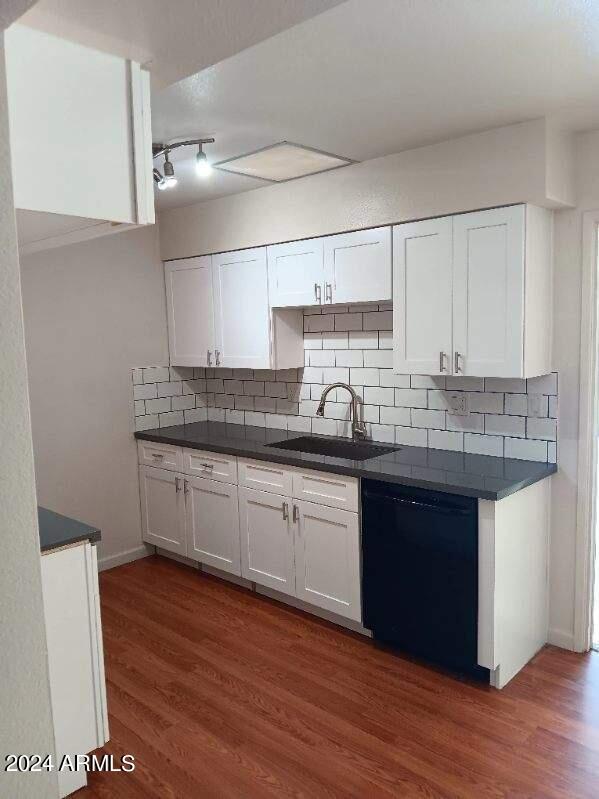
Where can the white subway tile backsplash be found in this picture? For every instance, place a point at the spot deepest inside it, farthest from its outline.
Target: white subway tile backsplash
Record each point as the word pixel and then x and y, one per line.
pixel 184 403
pixel 427 381
pixel 351 358
pixel 545 429
pixel 378 320
pixel 545 384
pixel 484 402
pixel 362 340
pixel 364 377
pixel 426 418
pixel 446 439
pixel 161 405
pixel 379 396
pixel 411 437
pixel 525 449
pixel 396 416
pixel 169 389
pixel 156 374
pixel 501 425
pixel 355 344
pixel 380 359
pixel 144 392
pixel 411 397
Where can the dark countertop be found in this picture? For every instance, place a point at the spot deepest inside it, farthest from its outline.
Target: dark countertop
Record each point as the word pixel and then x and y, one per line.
pixel 479 476
pixel 58 531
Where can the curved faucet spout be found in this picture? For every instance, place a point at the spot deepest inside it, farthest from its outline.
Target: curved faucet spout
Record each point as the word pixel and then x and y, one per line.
pixel 357 425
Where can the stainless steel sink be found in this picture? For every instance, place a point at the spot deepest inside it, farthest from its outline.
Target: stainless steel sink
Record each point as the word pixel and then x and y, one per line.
pixel 335 447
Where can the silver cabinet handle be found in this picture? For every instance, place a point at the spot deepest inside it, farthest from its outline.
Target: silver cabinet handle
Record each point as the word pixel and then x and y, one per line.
pixel 217 353
pixel 295 513
pixel 177 484
pixel 317 293
pixel 456 362
pixel 442 361
pixel 209 358
pixel 186 486
pixel 207 465
pixel 328 292
pixel 158 456
pixel 285 511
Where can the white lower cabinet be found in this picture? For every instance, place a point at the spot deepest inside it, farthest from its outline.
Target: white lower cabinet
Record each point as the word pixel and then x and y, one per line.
pixel 266 540
pixel 212 523
pixel 327 558
pixel 163 509
pixel 273 537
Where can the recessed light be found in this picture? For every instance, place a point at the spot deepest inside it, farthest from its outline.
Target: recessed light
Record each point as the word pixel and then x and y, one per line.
pixel 283 161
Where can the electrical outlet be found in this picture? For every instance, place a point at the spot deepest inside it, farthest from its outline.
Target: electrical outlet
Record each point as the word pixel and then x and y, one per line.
pixel 458 403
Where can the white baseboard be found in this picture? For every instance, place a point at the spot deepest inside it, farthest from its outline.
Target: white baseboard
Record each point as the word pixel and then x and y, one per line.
pixel 561 638
pixel 124 557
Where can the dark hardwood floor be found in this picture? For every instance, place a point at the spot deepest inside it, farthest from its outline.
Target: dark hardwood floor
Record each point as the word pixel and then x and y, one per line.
pixel 220 693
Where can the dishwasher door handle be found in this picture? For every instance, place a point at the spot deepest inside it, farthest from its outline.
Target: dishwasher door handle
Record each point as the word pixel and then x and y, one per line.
pixel 415 505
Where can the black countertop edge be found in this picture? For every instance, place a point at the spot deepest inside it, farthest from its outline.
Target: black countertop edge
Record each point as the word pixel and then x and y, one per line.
pixel 57 530
pixel 480 476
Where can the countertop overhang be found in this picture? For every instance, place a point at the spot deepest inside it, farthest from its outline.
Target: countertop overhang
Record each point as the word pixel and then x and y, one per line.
pixel 481 476
pixel 57 530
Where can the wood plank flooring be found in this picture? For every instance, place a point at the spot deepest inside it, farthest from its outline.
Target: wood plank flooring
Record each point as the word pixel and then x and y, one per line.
pixel 220 693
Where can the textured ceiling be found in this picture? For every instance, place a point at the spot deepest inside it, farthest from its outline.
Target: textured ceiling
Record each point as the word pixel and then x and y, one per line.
pixel 367 78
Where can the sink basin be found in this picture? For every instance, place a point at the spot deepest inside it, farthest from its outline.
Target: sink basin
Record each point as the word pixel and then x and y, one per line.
pixel 335 447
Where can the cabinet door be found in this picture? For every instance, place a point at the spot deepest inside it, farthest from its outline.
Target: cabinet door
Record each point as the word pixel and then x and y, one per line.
pixel 162 509
pixel 190 311
pixel 212 523
pixel 327 558
pixel 242 314
pixel 358 266
pixel 422 285
pixel 296 274
pixel 266 539
pixel 488 292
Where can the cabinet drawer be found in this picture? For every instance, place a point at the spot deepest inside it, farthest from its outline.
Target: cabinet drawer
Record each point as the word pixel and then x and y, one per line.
pixel 326 489
pixel 266 476
pixel 164 456
pixel 199 463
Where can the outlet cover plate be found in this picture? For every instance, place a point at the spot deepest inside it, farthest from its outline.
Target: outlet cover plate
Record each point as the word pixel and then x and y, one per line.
pixel 458 403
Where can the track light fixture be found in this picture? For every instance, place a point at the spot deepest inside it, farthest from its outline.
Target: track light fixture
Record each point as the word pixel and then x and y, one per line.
pixel 168 179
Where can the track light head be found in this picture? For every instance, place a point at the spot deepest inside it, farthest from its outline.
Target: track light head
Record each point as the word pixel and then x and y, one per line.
pixel 203 167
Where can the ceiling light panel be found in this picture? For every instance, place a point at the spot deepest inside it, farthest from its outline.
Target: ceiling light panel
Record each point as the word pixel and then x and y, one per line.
pixel 282 161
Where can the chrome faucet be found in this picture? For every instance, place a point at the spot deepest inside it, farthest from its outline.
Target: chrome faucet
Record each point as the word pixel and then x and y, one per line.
pixel 358 428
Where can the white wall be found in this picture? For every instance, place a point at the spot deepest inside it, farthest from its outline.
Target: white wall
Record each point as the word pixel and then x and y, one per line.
pixel 566 349
pixel 92 312
pixel 26 718
pixel 516 163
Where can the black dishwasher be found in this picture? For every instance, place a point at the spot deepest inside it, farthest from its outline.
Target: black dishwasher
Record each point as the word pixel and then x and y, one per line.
pixel 420 572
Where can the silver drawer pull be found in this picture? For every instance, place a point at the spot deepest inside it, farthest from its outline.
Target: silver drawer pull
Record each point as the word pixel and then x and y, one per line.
pixel 185 486
pixel 158 455
pixel 217 354
pixel 285 511
pixel 456 361
pixel 317 293
pixel 177 484
pixel 209 358
pixel 328 292
pixel 207 465
pixel 295 513
pixel 441 361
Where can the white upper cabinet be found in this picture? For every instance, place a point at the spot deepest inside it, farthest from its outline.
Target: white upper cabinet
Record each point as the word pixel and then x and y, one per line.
pixel 267 539
pixel 241 310
pixel 358 266
pixel 351 267
pixel 296 273
pixel 488 292
pixel 189 309
pixel 472 294
pixel 327 558
pixel 212 523
pixel 80 134
pixel 422 289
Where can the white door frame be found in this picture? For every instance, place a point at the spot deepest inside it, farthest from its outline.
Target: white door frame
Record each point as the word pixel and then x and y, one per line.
pixel 587 439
